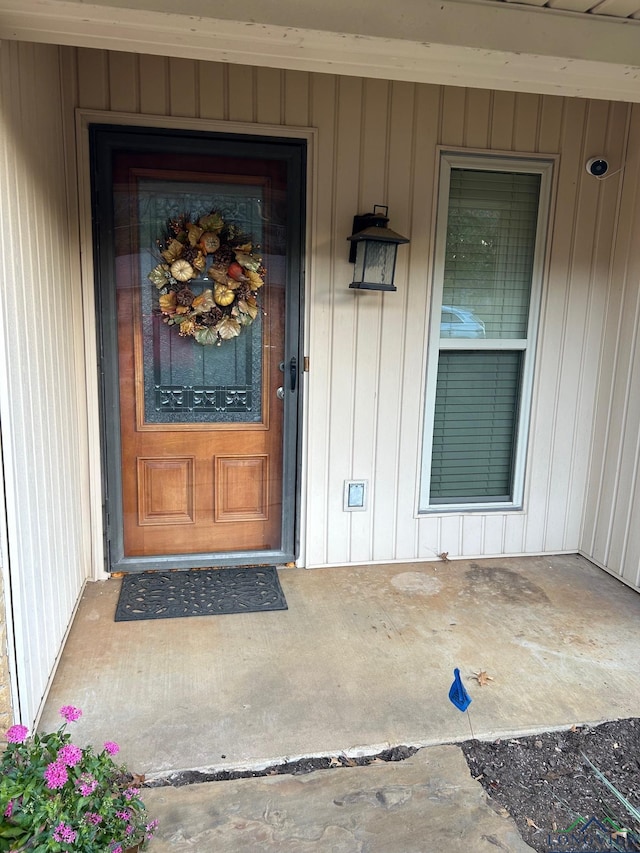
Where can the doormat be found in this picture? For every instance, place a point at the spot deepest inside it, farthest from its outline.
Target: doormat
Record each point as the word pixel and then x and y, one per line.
pixel 203 592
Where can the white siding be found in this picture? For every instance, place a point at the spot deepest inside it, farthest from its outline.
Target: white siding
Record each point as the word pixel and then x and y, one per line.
pixel 377 144
pixel 611 535
pixel 42 408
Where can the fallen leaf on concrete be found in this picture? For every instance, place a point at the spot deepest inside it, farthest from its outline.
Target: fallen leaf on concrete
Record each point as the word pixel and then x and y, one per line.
pixel 482 678
pixel 531 823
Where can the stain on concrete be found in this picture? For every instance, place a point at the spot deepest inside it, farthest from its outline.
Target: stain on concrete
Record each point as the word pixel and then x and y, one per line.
pixel 509 586
pixel 389 797
pixel 416 583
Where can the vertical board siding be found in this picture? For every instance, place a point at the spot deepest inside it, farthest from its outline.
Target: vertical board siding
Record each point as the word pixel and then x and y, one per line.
pixel 41 380
pixel 377 143
pixel 323 100
pixel 341 433
pixel 399 196
pixel 124 82
pixel 154 85
pixel 374 156
pixel 612 515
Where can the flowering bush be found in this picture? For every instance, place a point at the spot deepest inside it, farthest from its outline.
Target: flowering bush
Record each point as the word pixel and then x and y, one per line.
pixel 56 797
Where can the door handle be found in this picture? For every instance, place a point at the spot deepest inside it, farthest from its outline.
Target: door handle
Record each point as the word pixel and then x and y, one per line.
pixel 293 372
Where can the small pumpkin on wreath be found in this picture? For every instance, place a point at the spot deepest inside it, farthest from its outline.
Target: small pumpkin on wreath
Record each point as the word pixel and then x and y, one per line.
pixel 189 247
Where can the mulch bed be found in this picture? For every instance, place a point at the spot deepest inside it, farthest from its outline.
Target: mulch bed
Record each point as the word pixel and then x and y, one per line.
pixel 546 785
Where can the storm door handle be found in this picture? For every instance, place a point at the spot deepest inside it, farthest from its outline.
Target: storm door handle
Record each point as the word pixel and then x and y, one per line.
pixel 293 372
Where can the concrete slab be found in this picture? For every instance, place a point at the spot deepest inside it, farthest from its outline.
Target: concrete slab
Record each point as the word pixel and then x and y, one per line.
pixel 426 804
pixel 361 661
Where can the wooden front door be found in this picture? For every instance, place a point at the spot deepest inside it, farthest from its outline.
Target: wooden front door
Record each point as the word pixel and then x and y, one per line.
pixel 199 243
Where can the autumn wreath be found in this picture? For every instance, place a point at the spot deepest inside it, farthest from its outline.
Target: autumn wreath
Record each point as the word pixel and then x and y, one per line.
pixel 191 246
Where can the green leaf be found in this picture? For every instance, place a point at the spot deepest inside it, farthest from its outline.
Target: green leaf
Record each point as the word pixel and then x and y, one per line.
pixel 248 307
pixel 228 328
pixel 8 831
pixel 159 275
pixel 249 262
pixel 211 222
pixel 206 337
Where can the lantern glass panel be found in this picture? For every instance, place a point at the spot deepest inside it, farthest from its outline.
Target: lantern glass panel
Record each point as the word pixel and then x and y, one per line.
pixel 375 262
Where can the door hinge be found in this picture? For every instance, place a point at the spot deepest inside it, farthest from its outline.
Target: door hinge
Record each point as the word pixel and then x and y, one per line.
pixel 305 364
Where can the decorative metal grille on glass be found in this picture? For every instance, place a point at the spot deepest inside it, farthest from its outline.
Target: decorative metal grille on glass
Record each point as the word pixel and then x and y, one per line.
pixel 185 382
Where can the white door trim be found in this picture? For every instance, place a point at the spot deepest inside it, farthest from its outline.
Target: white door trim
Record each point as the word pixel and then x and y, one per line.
pixel 84 118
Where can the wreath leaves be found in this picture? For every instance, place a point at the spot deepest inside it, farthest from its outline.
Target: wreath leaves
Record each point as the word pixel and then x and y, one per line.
pixel 235 274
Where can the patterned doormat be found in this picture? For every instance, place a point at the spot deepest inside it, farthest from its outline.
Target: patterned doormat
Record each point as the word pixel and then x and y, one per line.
pixel 203 592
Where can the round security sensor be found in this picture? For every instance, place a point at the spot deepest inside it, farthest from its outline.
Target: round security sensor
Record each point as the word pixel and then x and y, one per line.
pixel 598 167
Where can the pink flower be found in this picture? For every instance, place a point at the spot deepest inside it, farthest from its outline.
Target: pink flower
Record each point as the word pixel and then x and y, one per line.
pixel 116 849
pixel 69 755
pixel 86 784
pixel 130 793
pixel 111 747
pixel 62 832
pixel 70 713
pixel 151 828
pixel 93 817
pixel 124 815
pixel 56 775
pixel 17 734
pixel 9 809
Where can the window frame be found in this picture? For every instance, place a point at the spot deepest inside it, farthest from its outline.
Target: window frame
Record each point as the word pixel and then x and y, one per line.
pixel 450 160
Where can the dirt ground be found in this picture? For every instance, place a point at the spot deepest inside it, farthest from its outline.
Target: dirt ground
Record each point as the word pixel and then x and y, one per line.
pixel 546 785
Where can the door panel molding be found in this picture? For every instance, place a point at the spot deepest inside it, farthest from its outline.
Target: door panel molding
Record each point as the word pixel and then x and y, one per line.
pixel 238 479
pixel 160 480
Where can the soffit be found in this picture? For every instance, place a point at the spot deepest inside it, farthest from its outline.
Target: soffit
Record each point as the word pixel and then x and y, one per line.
pixel 492 44
pixel 610 8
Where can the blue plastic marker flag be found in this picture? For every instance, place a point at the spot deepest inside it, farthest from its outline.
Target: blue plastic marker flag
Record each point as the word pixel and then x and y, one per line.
pixel 458 694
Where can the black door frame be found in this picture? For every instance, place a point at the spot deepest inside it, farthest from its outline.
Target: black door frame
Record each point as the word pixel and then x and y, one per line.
pixel 105 140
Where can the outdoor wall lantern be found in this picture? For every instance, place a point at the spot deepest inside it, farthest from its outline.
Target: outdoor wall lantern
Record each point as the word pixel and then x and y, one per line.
pixel 373 250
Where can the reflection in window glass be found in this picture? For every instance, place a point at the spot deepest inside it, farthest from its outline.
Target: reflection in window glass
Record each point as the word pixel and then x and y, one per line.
pixel 491 232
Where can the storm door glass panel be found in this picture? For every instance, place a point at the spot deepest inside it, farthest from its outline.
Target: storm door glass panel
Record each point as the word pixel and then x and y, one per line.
pixel 492 222
pixel 184 381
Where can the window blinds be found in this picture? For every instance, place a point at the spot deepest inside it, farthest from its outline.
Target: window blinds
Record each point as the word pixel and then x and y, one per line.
pixel 488 268
pixel 490 247
pixel 475 425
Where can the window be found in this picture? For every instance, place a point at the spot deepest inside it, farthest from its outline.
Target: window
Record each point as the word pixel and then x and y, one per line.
pixel 488 267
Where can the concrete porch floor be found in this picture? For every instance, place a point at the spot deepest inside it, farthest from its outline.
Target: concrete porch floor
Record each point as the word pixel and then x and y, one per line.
pixel 362 660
